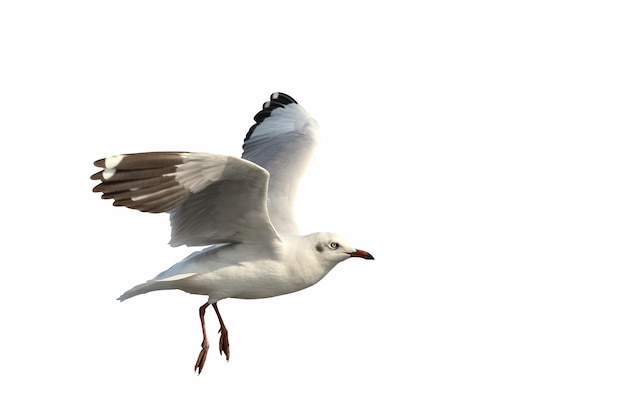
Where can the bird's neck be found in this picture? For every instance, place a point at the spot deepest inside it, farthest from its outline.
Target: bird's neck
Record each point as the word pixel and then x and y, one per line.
pixel 306 266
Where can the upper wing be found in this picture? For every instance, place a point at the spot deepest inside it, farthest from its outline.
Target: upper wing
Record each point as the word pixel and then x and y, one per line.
pixel 282 141
pixel 211 198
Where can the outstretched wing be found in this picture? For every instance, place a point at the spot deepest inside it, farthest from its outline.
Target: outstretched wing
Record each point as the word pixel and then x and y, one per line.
pixel 211 198
pixel 282 141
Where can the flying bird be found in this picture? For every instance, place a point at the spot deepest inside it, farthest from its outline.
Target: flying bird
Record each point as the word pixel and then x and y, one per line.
pixel 240 208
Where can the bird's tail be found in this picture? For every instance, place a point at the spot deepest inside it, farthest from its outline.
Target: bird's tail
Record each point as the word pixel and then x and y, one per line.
pixel 148 286
pixel 157 284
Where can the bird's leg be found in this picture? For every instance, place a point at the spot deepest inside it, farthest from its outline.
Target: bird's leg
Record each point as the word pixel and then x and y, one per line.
pixel 205 341
pixel 224 345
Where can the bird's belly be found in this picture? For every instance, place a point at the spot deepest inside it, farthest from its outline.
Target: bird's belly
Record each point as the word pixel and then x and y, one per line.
pixel 264 288
pixel 237 282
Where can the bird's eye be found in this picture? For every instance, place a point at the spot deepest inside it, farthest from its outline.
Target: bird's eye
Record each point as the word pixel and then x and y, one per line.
pixel 333 245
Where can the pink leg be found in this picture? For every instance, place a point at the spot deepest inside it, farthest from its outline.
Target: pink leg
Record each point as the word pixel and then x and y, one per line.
pixel 205 342
pixel 224 345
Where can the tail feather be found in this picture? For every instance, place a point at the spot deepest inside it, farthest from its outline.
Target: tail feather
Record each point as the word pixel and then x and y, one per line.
pixel 168 283
pixel 144 288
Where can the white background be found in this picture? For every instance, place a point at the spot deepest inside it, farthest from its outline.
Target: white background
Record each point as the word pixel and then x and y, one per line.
pixel 458 148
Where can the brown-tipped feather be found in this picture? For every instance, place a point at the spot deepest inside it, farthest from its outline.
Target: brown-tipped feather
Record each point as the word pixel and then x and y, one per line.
pixel 145 160
pixel 142 181
pixel 113 187
pixel 124 175
pixel 129 192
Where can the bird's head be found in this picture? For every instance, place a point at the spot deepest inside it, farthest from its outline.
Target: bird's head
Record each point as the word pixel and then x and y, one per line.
pixel 332 248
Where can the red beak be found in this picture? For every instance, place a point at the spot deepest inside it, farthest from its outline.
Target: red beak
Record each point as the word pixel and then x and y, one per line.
pixel 360 254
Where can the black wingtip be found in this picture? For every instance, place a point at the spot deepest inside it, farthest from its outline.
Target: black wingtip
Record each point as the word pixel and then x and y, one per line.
pixel 277 100
pixel 282 98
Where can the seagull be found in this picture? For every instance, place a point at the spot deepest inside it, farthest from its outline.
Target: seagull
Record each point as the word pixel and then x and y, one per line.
pixel 240 208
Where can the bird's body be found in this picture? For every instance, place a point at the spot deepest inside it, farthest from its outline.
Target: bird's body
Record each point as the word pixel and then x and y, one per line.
pixel 240 208
pixel 244 271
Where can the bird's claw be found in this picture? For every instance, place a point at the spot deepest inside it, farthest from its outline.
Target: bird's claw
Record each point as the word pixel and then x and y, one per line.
pixel 224 345
pixel 202 357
